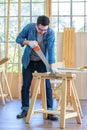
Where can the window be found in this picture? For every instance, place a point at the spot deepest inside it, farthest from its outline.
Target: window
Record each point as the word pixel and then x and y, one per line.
pixel 25 12
pixel 69 13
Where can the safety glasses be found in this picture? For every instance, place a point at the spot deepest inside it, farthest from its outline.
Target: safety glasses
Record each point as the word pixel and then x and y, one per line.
pixel 43 30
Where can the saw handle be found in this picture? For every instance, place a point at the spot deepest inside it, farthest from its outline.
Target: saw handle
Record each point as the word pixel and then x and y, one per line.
pixel 37 48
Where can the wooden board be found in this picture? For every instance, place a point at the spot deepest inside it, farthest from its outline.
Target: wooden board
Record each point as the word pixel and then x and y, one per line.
pixel 68 47
pixel 3 60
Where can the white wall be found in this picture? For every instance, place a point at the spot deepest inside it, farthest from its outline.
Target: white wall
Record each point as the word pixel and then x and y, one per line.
pixel 80 60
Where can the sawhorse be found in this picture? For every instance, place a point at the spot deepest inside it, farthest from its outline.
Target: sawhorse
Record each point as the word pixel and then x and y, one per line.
pixel 2 94
pixel 63 113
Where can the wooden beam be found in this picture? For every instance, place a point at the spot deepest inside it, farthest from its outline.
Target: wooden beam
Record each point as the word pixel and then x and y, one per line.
pixel 49 10
pixel 7 31
pixel 68 47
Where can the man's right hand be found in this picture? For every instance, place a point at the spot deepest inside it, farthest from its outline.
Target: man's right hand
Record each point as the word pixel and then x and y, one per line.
pixel 34 45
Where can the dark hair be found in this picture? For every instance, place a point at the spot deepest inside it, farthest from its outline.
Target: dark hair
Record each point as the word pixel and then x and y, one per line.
pixel 43 20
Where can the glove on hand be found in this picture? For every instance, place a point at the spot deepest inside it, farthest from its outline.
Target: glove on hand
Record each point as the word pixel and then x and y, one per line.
pixel 34 45
pixel 54 70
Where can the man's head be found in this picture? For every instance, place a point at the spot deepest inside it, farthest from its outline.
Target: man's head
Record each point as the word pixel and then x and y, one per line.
pixel 42 24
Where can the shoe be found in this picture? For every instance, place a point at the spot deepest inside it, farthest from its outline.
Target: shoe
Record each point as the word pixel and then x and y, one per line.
pixel 22 114
pixel 52 117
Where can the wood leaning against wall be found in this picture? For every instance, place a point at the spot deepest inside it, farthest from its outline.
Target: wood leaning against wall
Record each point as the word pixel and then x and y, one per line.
pixel 16 84
pixel 68 47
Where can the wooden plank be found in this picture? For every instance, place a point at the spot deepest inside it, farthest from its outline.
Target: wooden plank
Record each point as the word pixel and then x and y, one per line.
pixel 64 46
pixel 8 87
pixel 77 99
pixel 19 27
pixel 7 31
pixel 1 91
pixel 47 111
pixel 43 96
pixel 70 115
pixel 34 96
pixel 63 103
pixel 49 10
pixel 4 95
pixel 68 47
pixel 16 84
pixel 75 105
pixel 73 47
pixel 3 60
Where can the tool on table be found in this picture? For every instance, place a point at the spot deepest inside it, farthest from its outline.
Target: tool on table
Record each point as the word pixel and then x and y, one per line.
pixel 41 55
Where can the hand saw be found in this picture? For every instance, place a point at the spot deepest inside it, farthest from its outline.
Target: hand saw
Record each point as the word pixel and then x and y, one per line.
pixel 41 55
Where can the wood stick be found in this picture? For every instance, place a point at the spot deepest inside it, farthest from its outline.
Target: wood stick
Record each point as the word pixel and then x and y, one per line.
pixel 3 60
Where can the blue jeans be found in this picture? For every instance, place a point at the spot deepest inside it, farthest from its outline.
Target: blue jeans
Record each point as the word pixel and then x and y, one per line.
pixel 27 79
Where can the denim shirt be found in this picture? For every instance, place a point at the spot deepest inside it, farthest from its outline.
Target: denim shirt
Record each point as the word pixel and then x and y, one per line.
pixel 29 33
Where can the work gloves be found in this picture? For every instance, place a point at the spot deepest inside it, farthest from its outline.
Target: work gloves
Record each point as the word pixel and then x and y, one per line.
pixel 54 70
pixel 34 45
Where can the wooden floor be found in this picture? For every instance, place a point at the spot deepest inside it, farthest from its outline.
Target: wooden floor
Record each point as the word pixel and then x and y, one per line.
pixel 9 111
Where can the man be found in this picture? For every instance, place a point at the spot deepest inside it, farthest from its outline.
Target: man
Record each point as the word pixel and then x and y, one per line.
pixel 35 36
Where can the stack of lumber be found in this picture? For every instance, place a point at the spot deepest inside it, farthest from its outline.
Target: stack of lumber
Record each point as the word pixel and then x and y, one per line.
pixel 68 47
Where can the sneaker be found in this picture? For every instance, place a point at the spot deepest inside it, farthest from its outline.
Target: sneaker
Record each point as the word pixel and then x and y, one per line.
pixel 22 114
pixel 52 117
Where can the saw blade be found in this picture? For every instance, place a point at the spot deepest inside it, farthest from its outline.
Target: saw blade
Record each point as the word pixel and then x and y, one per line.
pixel 41 55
